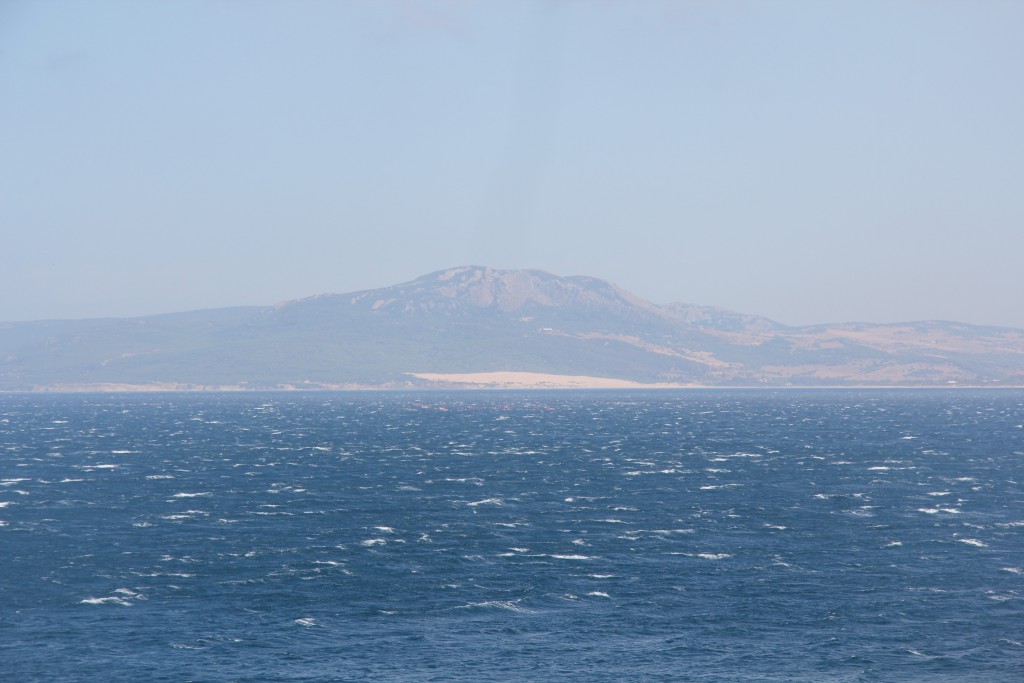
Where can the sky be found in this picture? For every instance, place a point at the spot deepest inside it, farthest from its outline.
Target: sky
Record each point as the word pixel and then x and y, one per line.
pixel 807 161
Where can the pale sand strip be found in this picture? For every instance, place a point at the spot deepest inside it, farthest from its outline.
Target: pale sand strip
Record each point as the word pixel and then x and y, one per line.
pixel 538 380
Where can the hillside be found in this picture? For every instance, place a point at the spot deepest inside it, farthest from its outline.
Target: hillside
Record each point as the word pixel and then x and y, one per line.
pixel 470 320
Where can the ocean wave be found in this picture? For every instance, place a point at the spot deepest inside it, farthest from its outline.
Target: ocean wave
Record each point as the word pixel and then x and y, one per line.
pixel 486 501
pixel 110 600
pixel 510 605
pixel 122 597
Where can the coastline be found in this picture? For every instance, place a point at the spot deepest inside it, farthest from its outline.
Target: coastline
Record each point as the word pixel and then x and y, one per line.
pixel 475 381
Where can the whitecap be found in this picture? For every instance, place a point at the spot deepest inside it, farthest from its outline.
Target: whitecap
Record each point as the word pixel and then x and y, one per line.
pixel 110 600
pixel 191 495
pixel 509 605
pixel 124 597
pixel 713 556
pixel 487 501
pixel 370 542
pixel 306 621
pixel 572 557
pixel 599 594
pixel 973 541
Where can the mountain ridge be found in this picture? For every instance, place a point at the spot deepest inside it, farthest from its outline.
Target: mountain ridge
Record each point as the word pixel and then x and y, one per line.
pixel 476 320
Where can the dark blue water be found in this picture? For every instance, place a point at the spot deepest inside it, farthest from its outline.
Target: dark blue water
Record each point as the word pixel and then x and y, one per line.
pixel 699 536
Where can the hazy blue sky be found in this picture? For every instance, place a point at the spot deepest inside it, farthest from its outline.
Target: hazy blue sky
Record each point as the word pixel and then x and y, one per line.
pixel 809 161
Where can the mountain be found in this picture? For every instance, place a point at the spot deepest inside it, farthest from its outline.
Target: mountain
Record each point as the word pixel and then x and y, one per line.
pixel 453 327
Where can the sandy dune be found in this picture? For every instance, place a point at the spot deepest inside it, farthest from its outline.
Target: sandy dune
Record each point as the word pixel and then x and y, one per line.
pixel 537 380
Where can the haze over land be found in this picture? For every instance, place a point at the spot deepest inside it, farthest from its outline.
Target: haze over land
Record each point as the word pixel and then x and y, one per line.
pixel 475 326
pixel 807 161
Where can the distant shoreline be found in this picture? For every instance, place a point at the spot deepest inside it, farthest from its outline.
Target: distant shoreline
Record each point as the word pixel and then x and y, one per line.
pixel 479 381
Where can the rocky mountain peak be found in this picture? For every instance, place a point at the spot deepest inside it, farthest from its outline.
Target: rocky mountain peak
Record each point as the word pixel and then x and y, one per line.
pixel 515 290
pixel 508 291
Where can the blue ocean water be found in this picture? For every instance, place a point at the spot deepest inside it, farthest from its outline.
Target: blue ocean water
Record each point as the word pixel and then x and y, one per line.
pixel 598 536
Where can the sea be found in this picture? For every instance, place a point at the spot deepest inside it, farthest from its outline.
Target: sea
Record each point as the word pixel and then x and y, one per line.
pixel 691 535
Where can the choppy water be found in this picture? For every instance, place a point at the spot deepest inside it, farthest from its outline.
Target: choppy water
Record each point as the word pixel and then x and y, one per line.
pixel 702 536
